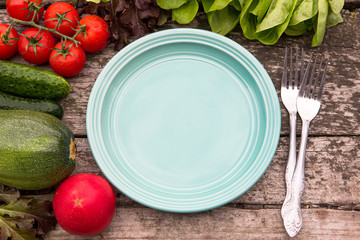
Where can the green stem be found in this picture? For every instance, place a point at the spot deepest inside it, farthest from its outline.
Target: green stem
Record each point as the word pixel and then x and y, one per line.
pixel 32 23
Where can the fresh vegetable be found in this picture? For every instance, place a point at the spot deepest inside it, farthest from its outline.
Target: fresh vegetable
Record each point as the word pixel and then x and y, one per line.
pixel 265 20
pixel 63 17
pixel 11 102
pixel 129 19
pixel 84 204
pixel 25 10
pixel 67 59
pixel 36 149
pixel 24 216
pixel 35 45
pixel 33 82
pixel 94 33
pixel 8 41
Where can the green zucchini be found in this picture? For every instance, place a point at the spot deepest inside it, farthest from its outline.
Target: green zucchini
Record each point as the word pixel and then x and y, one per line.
pixel 28 81
pixel 11 102
pixel 36 149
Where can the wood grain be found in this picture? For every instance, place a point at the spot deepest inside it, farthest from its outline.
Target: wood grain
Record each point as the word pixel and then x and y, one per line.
pixel 223 223
pixel 340 111
pixel 332 170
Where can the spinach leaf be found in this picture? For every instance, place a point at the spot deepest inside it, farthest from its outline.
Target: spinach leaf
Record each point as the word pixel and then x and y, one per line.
pixel 224 20
pixel 336 5
pixel 261 9
pixel 320 24
pixel 333 19
pixel 278 12
pixel 271 35
pixel 236 4
pixel 296 30
pixel 186 13
pixel 213 5
pixel 247 20
pixel 170 4
pixel 306 10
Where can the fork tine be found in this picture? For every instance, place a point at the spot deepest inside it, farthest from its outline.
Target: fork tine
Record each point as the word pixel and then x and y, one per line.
pixel 317 79
pixel 322 82
pixel 296 68
pixel 291 68
pixel 302 65
pixel 311 77
pixel 304 78
pixel 284 77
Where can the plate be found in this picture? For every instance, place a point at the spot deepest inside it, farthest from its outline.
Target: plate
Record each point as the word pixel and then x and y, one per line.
pixel 183 120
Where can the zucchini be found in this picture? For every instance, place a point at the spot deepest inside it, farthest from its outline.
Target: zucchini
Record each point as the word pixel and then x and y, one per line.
pixel 28 81
pixel 36 149
pixel 11 102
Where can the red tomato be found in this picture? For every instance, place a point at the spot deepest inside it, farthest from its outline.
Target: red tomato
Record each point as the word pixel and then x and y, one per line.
pixel 20 9
pixel 6 51
pixel 84 204
pixel 97 33
pixel 34 46
pixel 69 22
pixel 67 60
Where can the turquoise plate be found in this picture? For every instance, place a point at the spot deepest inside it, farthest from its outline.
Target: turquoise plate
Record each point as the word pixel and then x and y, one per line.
pixel 183 120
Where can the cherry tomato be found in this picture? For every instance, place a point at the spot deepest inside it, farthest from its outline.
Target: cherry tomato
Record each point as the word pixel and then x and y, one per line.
pixel 96 33
pixel 69 15
pixel 67 59
pixel 35 46
pixel 84 204
pixel 24 9
pixel 8 50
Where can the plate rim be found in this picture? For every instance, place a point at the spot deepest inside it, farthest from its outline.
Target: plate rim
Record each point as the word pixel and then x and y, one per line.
pixel 276 125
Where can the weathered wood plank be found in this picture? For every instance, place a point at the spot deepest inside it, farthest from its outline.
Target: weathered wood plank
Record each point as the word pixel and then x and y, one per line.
pixel 332 170
pixel 340 113
pixel 223 223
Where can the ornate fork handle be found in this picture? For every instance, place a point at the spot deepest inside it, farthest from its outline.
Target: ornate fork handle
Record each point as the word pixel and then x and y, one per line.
pixel 291 162
pixel 292 217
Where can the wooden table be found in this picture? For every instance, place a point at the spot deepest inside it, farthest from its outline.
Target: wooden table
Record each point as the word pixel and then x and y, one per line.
pixel 331 201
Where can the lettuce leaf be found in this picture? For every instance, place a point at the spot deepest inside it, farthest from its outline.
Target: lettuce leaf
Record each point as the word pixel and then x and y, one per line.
pixel 24 217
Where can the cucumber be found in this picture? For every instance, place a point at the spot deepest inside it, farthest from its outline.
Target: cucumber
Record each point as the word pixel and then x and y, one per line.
pixel 11 102
pixel 27 81
pixel 36 149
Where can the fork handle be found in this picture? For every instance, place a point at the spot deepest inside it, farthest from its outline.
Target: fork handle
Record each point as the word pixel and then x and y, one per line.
pixel 291 162
pixel 293 218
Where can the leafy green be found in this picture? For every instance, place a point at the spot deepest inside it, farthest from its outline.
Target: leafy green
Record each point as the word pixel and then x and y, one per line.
pixel 333 19
pixel 213 5
pixel 170 4
pixel 306 10
pixel 23 217
pixel 320 25
pixel 336 5
pixel 263 20
pixel 186 13
pixel 224 20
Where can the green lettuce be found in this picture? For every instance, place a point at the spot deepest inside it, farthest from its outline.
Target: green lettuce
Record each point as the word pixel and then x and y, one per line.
pixel 263 20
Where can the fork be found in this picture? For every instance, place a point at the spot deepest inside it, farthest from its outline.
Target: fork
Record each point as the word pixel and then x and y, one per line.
pixel 289 94
pixel 308 104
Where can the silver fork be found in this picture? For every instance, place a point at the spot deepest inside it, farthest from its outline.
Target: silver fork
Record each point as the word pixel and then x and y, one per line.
pixel 308 104
pixel 289 94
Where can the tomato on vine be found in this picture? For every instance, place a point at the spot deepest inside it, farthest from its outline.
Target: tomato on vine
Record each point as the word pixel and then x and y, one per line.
pixel 62 17
pixel 8 41
pixel 25 10
pixel 93 33
pixel 35 46
pixel 67 59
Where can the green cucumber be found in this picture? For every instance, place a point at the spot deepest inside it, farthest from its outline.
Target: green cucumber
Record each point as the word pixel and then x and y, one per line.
pixel 36 149
pixel 11 102
pixel 28 81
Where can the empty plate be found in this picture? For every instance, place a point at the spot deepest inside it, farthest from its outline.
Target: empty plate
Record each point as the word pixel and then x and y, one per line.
pixel 183 120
